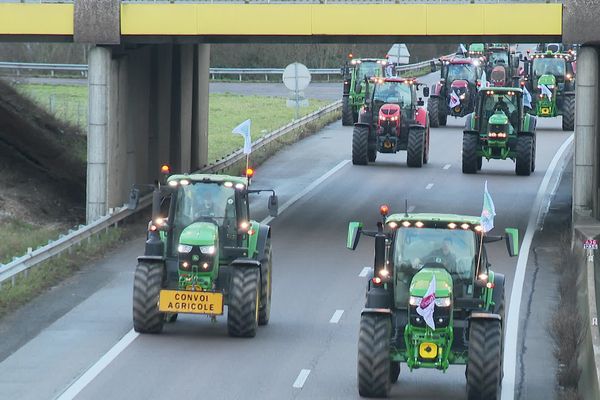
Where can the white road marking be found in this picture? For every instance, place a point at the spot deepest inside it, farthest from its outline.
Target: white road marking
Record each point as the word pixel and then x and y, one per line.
pixel 411 209
pixel 447 166
pixel 309 188
pixel 88 376
pixel 102 363
pixel 512 322
pixel 365 271
pixel 429 186
pixel 301 379
pixel 336 316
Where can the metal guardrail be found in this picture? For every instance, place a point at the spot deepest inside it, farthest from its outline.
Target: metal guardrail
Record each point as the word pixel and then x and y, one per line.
pixel 32 258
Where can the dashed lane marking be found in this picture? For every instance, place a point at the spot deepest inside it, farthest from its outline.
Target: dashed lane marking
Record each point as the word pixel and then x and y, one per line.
pixel 301 379
pixel 447 166
pixel 365 271
pixel 336 316
pixel 429 186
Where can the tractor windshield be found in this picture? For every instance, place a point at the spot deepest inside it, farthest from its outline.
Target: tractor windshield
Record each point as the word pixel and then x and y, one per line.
pixel 549 66
pixel 454 249
pixel 505 102
pixel 498 57
pixel 392 92
pixel 461 71
pixel 369 69
pixel 212 202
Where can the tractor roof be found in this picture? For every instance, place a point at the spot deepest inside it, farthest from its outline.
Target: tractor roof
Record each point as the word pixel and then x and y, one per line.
pixel 435 218
pixel 370 60
pixel 457 60
pixel 400 80
pixel 501 89
pixel 208 178
pixel 549 54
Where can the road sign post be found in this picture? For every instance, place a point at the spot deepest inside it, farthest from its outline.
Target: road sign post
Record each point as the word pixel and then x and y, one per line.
pixel 296 78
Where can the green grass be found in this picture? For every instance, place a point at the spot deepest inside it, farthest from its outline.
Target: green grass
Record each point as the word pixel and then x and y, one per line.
pixel 17 236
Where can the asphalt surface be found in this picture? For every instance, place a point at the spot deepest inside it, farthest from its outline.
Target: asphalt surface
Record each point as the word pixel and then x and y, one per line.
pixel 314 277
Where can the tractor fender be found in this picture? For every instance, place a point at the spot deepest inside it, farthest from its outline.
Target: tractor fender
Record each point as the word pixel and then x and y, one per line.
pixel 245 262
pixel 436 89
pixel 363 124
pixel 378 297
pixel 416 126
pixel 385 311
pixel 152 259
pixel 470 123
pixel 470 132
pixel 264 233
pixel 498 287
pixel 569 93
pixel 529 124
pixel 421 116
pixel 483 315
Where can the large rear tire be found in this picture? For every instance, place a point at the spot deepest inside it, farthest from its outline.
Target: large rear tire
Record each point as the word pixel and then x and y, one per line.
pixel 244 296
pixel 394 371
pixel 433 110
pixel 415 148
pixel 147 283
pixel 533 154
pixel 360 145
pixel 469 153
pixel 427 139
pixel 568 118
pixel 264 311
pixel 443 115
pixel 347 113
pixel 484 368
pixel 374 355
pixel 524 155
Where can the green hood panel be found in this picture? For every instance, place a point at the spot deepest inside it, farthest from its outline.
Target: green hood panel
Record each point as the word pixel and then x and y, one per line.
pixel 498 118
pixel 199 234
pixel 420 282
pixel 547 80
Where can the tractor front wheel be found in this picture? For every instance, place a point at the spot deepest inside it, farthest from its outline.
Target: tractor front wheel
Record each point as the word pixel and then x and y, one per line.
pixel 568 118
pixel 360 145
pixel 524 157
pixel 470 160
pixel 443 115
pixel 147 283
pixel 533 155
pixel 394 371
pixel 374 366
pixel 264 310
pixel 347 114
pixel 484 367
pixel 415 149
pixel 433 110
pixel 244 296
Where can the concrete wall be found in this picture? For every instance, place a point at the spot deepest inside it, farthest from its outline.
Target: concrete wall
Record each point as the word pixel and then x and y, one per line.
pixel 148 106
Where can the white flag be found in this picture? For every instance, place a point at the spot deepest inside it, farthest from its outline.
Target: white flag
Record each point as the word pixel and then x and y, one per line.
pixel 526 97
pixel 462 49
pixel 483 81
pixel 488 211
pixel 545 91
pixel 427 306
pixel 244 130
pixel 454 100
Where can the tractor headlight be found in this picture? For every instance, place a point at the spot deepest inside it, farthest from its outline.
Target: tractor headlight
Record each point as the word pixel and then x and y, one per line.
pixel 414 300
pixel 184 248
pixel 207 249
pixel 443 302
pixel 462 96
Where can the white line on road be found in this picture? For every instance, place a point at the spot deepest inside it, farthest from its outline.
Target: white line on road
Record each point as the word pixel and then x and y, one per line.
pixel 447 166
pixel 336 316
pixel 411 209
pixel 365 271
pixel 512 322
pixel 89 375
pixel 429 186
pixel 301 379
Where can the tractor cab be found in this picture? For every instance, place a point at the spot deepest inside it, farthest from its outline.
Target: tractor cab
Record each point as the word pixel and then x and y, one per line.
pixel 394 99
pixel 500 106
pixel 357 74
pixel 560 66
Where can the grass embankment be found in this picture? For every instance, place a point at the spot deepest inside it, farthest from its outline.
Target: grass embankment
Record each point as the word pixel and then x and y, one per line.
pixel 19 235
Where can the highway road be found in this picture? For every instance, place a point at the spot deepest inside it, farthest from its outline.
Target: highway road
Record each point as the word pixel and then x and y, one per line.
pixel 308 350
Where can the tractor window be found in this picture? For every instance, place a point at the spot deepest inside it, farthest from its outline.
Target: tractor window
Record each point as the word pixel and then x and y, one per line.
pixel 461 71
pixel 204 202
pixel 548 66
pixel 369 69
pixel 393 92
pixel 508 104
pixel 498 57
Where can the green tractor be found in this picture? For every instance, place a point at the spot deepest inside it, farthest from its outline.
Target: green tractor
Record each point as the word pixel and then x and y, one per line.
pixel 432 302
pixel 204 252
pixel 550 78
pixel 354 75
pixel 499 128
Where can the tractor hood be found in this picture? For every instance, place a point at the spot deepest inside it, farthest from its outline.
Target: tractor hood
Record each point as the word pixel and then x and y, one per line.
pixel 498 118
pixel 459 83
pixel 199 234
pixel 547 80
pixel 420 282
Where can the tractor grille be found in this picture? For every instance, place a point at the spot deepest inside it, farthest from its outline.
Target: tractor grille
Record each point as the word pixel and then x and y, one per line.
pixel 195 261
pixel 388 111
pixel 441 316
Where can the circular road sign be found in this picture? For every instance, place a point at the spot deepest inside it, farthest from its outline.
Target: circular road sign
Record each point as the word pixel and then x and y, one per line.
pixel 296 77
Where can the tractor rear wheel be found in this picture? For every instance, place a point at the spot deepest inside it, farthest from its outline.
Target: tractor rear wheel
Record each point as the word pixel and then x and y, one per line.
pixel 347 114
pixel 427 136
pixel 433 110
pixel 394 371
pixel 374 355
pixel 469 153
pixel 524 155
pixel 443 115
pixel 360 145
pixel 264 310
pixel 479 163
pixel 415 148
pixel 147 283
pixel 533 154
pixel 568 118
pixel 484 368
pixel 244 296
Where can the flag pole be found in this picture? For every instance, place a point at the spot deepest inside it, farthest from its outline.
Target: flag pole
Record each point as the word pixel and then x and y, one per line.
pixel 479 256
pixel 246 172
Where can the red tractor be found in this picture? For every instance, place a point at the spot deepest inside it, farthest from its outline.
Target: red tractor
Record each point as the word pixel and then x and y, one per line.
pixel 392 119
pixel 455 94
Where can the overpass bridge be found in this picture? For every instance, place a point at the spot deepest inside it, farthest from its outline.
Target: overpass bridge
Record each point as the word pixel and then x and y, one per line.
pixel 148 73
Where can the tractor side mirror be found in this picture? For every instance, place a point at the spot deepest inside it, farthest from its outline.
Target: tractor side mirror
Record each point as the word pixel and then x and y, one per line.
pixel 354 230
pixel 134 199
pixel 433 66
pixel 512 241
pixel 420 102
pixel 273 206
pixel 426 91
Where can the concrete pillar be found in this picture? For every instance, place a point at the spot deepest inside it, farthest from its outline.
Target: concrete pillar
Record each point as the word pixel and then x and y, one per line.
pixel 200 107
pixel 181 107
pixel 98 80
pixel 586 119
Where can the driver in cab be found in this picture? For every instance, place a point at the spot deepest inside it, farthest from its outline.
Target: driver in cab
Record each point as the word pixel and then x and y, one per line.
pixel 444 255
